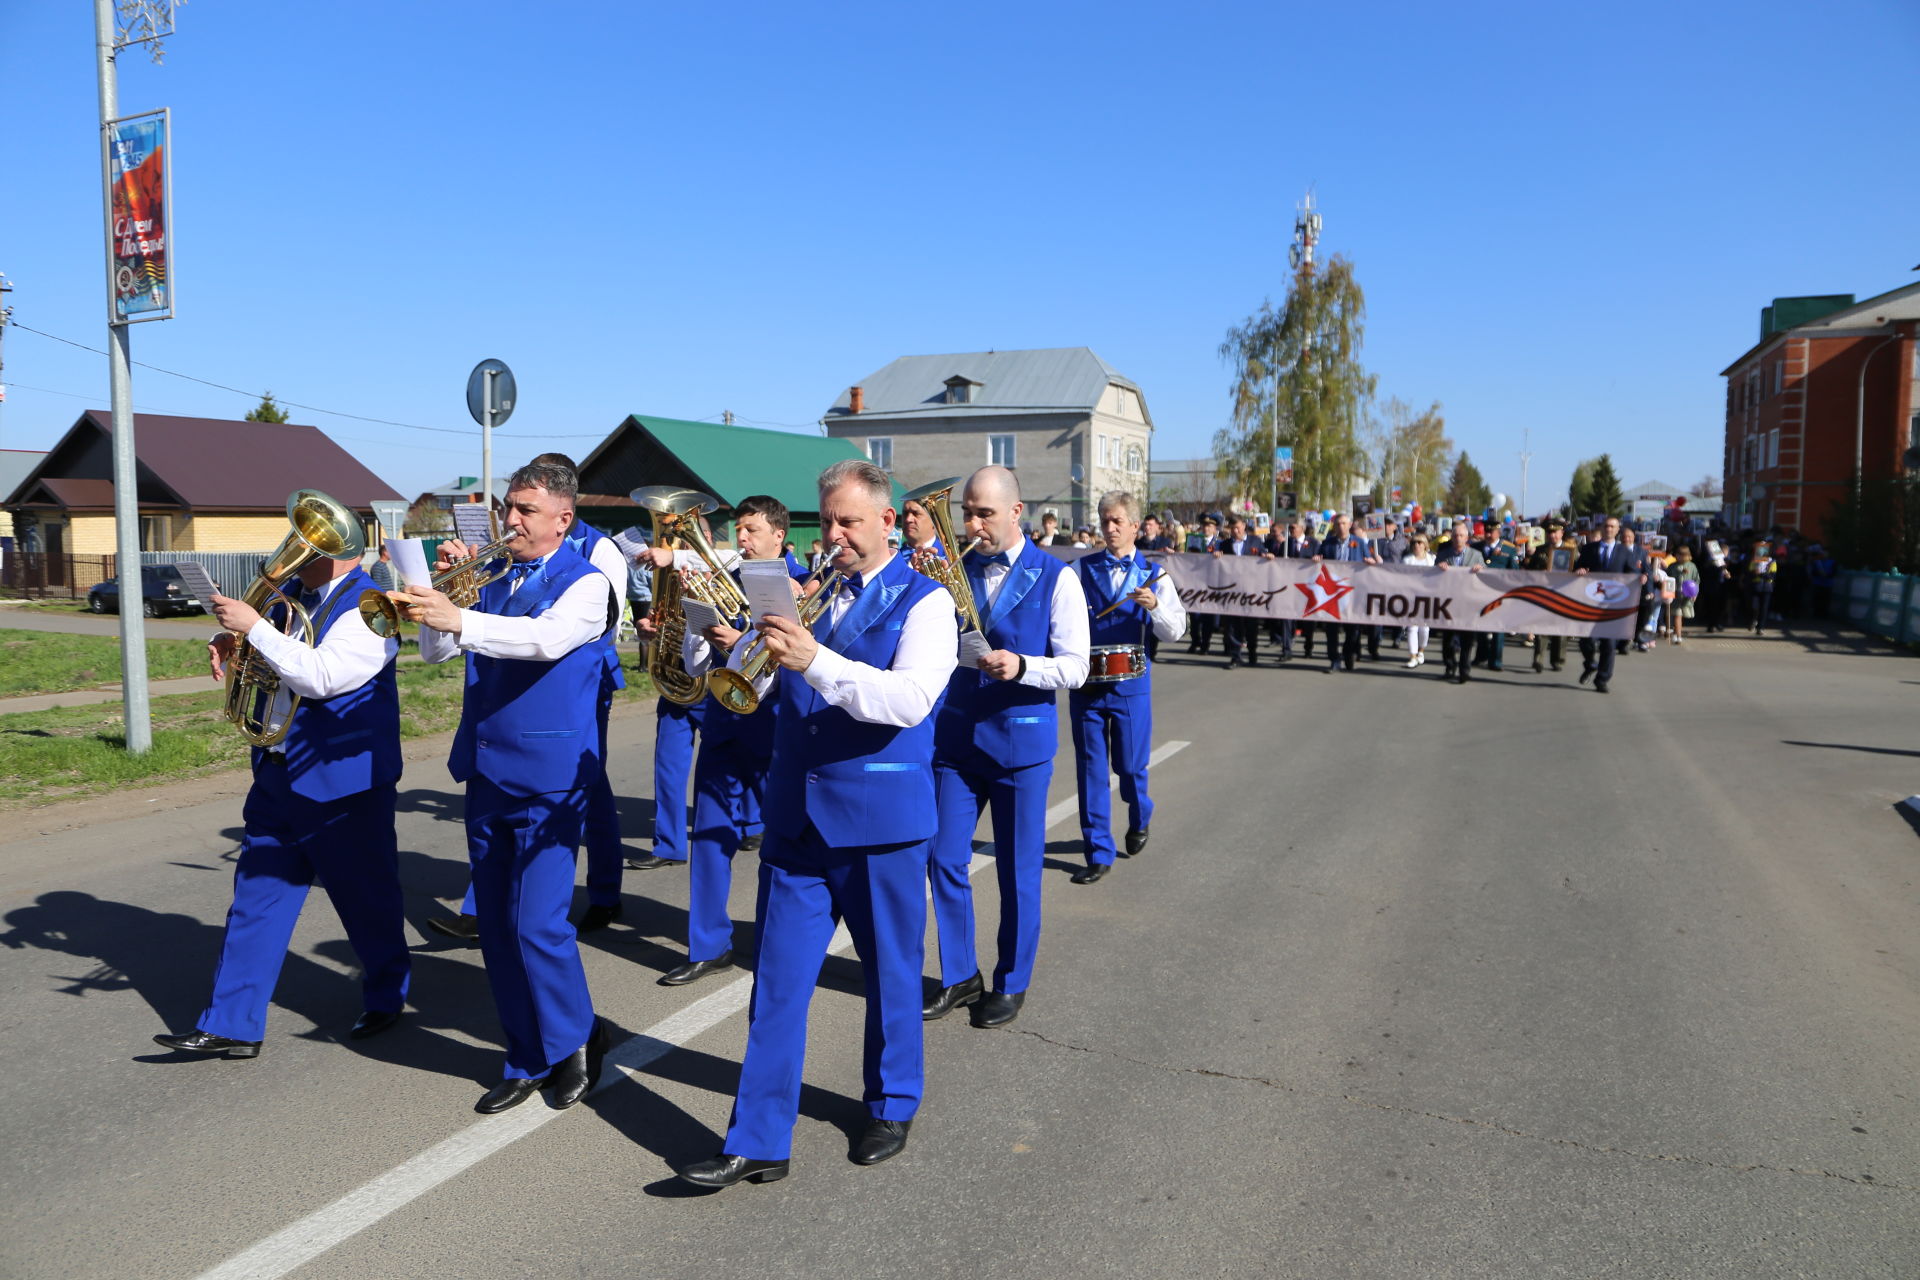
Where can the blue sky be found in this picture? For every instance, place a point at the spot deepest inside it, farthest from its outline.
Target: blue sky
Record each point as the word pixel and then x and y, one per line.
pixel 1565 218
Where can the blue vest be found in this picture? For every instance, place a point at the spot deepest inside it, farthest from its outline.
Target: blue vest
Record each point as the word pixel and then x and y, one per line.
pixel 857 783
pixel 1008 723
pixel 532 728
pixel 1129 624
pixel 349 743
pixel 583 538
pixel 754 733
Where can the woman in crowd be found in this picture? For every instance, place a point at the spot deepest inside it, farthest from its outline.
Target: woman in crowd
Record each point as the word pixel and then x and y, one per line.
pixel 1419 553
pixel 1686 587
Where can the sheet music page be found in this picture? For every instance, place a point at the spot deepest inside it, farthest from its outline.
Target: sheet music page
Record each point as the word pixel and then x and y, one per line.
pixel 631 542
pixel 470 523
pixel 768 589
pixel 973 647
pixel 198 582
pixel 409 562
pixel 700 615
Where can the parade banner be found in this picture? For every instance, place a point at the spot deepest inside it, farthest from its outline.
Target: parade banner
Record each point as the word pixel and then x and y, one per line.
pixel 139 178
pixel 1603 605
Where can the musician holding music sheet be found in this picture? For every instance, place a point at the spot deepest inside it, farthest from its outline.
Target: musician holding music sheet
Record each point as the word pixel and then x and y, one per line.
pixel 1112 713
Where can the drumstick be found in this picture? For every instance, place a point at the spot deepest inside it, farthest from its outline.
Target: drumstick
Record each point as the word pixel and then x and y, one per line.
pixel 1157 575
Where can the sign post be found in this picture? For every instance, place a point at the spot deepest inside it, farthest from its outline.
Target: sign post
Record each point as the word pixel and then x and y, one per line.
pixel 490 396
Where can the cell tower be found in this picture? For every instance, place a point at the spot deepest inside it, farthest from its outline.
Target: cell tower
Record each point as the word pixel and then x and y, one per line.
pixel 1306 233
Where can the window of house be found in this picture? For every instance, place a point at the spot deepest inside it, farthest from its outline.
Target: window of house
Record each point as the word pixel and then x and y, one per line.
pixel 1000 451
pixel 959 390
pixel 1136 458
pixel 1103 449
pixel 1773 447
pixel 880 452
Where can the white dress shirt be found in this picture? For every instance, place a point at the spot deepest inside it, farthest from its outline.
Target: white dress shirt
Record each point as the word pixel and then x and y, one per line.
pixel 578 617
pixel 903 693
pixel 1067 626
pixel 1169 616
pixel 608 559
pixel 347 657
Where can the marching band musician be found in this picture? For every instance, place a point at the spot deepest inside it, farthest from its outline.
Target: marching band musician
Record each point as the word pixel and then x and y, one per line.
pixel 850 813
pixel 321 805
pixel 1121 711
pixel 730 774
pixel 529 750
pixel 994 743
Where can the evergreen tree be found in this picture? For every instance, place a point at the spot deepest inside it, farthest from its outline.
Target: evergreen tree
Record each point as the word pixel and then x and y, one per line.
pixel 1298 381
pixel 1580 490
pixel 1467 490
pixel 1605 495
pixel 267 411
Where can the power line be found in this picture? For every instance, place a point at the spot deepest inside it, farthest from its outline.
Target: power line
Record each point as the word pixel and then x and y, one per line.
pixel 310 408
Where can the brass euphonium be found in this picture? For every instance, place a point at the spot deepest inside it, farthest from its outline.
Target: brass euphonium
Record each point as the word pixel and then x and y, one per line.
pixel 734 689
pixel 676 515
pixel 323 529
pixel 948 572
pixel 461 581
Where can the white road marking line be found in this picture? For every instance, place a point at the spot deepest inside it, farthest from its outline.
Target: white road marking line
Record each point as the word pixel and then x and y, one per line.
pixel 296 1245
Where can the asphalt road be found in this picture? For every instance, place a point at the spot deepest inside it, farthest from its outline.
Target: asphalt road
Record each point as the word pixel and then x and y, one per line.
pixel 1510 980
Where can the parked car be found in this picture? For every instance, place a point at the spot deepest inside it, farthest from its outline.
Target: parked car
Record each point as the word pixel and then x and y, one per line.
pixel 161 588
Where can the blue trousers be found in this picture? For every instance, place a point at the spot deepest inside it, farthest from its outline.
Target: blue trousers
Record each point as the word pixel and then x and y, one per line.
pixel 805 887
pixel 348 844
pixel 674 730
pixel 606 857
pixel 728 786
pixel 1100 720
pixel 1019 800
pixel 522 849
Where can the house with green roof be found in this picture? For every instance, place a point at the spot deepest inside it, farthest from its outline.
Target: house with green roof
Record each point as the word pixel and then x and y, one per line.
pixel 730 463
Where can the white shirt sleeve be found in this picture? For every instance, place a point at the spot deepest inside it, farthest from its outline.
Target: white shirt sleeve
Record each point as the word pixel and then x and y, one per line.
pixel 347 657
pixel 904 693
pixel 607 559
pixel 1070 630
pixel 578 617
pixel 1170 615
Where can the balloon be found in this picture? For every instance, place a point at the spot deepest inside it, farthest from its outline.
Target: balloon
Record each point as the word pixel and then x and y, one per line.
pixel 1499 501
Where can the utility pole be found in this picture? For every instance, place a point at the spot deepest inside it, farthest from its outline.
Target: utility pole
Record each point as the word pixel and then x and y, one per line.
pixel 147 21
pixel 6 314
pixel 1526 438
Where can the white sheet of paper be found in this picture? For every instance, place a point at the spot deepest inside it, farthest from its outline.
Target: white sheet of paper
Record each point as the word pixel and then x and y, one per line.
pixel 470 523
pixel 700 615
pixel 768 589
pixel 199 584
pixel 973 647
pixel 630 541
pixel 409 561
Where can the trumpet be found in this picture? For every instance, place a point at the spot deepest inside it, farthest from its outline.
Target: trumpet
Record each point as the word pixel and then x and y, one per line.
pixel 734 689
pixel 462 581
pixel 934 498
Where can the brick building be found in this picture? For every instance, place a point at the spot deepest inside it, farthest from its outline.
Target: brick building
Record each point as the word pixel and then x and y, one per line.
pixel 1829 375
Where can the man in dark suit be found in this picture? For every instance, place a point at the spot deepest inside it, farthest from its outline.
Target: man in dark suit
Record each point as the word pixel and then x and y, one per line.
pixel 1457 646
pixel 1608 555
pixel 1343 638
pixel 1499 553
pixel 1240 634
pixel 1204 624
pixel 1291 544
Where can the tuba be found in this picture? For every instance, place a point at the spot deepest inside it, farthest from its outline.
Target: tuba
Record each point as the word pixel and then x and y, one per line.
pixel 934 499
pixel 461 580
pixel 323 529
pixel 676 514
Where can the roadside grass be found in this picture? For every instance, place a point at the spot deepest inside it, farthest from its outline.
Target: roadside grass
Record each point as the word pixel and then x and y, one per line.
pixel 69 753
pixel 51 604
pixel 54 662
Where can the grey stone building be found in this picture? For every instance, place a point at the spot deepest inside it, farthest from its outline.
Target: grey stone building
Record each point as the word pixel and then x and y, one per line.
pixel 1067 424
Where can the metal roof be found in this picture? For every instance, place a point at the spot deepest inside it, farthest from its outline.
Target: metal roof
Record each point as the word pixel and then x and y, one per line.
pixel 212 463
pixel 1046 379
pixel 730 463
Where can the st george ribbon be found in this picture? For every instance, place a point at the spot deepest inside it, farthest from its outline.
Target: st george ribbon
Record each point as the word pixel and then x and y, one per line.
pixel 1602 605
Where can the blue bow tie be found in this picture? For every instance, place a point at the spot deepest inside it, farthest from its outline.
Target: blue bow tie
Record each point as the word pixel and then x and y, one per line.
pixel 983 559
pixel 1108 561
pixel 520 570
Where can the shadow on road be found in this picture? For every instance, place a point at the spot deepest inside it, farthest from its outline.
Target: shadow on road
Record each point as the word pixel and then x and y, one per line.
pixel 1849 746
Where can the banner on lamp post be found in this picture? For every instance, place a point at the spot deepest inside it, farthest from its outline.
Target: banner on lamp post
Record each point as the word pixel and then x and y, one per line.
pixel 139 237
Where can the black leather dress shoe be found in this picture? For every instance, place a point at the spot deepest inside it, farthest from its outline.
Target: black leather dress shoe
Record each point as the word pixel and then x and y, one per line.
pixel 372 1023
pixel 1586 674
pixel 881 1141
pixel 1136 844
pixel 201 1042
pixel 1091 873
pixel 574 1078
pixel 653 860
pixel 997 1008
pixel 597 917
pixel 506 1095
pixel 462 926
pixel 725 1170
pixel 950 998
pixel 694 970
pixel 750 845
pixel 1601 685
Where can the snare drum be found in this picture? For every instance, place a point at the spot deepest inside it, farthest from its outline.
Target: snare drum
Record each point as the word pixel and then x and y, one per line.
pixel 1112 663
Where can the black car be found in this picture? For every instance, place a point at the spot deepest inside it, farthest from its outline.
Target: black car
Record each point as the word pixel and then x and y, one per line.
pixel 161 587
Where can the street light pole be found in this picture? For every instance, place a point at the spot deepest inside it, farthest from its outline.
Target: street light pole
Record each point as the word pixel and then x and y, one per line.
pixel 126 480
pixel 1860 412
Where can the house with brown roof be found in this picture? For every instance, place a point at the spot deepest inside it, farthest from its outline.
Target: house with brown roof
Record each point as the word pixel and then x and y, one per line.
pixel 206 484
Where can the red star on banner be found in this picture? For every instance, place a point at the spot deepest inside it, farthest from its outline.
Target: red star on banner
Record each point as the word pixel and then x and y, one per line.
pixel 1326 592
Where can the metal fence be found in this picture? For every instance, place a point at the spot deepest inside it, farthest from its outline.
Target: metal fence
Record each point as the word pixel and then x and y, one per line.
pixel 42 576
pixel 1882 604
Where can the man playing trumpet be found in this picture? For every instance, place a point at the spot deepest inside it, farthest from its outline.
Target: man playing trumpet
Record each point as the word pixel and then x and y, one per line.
pixel 529 749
